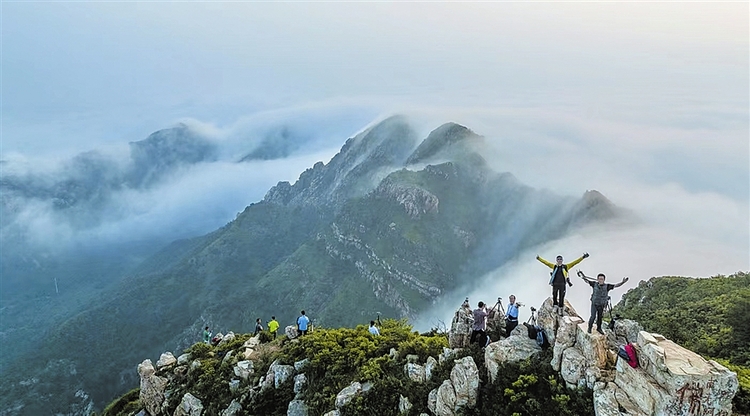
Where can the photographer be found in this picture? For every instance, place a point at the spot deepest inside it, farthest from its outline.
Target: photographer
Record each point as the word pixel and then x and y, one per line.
pixel 479 328
pixel 599 297
pixel 511 315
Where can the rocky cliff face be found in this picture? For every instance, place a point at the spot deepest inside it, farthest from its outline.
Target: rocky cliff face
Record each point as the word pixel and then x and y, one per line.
pixel 669 380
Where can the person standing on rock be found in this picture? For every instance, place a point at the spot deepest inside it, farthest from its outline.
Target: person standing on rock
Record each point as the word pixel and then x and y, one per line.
pixel 258 327
pixel 479 327
pixel 206 336
pixel 558 278
pixel 302 322
pixel 273 326
pixel 511 315
pixel 599 297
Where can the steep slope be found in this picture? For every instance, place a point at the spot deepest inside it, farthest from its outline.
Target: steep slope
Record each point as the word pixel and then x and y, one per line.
pixel 377 229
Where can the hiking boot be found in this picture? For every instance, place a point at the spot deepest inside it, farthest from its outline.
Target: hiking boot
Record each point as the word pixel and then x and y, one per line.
pixel 560 311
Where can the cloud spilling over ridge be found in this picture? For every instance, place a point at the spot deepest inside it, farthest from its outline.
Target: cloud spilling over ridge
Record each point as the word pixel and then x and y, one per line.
pixel 181 181
pixel 687 185
pixel 639 252
pixel 691 212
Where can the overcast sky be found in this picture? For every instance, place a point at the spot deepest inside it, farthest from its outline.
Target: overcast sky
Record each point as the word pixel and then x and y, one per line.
pixel 646 102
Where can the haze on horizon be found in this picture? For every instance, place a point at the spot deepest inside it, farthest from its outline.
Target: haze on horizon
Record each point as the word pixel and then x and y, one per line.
pixel 646 102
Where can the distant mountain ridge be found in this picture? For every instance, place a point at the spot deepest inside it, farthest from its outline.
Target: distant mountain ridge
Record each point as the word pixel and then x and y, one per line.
pixel 388 225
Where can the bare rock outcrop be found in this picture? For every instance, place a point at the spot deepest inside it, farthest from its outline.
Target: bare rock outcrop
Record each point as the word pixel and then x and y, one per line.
pixel 548 319
pixel 152 387
pixel 672 380
pixel 460 332
pixel 348 393
pixel 415 372
pixel 460 391
pixel 442 400
pixel 189 406
pixel 244 369
pixel 415 200
pixel 234 409
pixel 291 332
pixel 296 407
pixel 514 348
pixel 165 360
pixel 465 380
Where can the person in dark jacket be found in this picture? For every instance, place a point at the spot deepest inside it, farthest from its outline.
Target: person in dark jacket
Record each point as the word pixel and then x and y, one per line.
pixel 599 297
pixel 258 327
pixel 558 278
pixel 479 327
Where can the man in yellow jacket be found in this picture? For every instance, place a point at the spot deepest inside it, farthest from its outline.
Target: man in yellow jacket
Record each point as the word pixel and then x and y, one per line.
pixel 558 278
pixel 273 325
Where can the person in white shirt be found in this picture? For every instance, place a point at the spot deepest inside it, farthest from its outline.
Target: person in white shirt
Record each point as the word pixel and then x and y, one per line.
pixel 511 315
pixel 373 329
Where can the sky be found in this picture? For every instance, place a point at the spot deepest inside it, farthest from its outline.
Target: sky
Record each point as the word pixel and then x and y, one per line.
pixel 646 102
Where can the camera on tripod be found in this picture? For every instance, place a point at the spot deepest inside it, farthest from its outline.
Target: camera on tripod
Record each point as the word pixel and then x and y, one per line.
pixel 533 309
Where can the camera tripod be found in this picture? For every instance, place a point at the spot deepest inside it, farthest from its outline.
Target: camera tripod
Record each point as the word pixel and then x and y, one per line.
pixel 500 304
pixel 532 318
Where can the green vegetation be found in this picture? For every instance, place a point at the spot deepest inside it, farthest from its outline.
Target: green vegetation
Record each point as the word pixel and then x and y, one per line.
pixel 341 356
pixel 337 357
pixel 709 316
pixel 125 405
pixel 531 387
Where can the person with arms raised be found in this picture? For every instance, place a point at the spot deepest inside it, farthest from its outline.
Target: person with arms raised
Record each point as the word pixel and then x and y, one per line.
pixel 599 297
pixel 558 278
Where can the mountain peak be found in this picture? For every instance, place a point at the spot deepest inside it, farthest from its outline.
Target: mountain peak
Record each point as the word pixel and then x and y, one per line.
pixel 449 140
pixel 166 149
pixel 594 206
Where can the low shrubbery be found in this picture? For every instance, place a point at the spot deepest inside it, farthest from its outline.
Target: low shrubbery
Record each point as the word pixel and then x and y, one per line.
pixel 340 356
pixel 337 357
pixel 127 404
pixel 709 316
pixel 531 387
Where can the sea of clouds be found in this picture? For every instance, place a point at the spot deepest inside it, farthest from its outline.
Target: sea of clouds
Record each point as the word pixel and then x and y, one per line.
pixel 684 184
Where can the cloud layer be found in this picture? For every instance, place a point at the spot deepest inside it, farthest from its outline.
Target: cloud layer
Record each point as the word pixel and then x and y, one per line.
pixel 645 102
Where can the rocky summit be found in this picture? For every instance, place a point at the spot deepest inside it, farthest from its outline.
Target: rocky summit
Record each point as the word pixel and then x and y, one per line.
pixel 669 379
pixel 403 373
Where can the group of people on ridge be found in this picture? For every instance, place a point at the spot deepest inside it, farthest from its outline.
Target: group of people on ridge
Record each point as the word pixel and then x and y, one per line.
pixel 303 324
pixel 558 280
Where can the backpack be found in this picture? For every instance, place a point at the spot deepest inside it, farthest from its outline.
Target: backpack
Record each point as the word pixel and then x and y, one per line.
pixel 632 356
pixel 622 353
pixel 531 329
pixel 627 353
pixel 541 337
